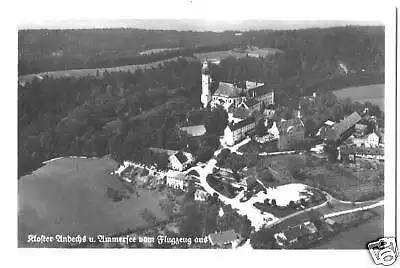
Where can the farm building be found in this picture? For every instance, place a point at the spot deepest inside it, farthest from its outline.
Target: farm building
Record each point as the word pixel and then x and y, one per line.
pixel 370 141
pixel 338 131
pixel 178 160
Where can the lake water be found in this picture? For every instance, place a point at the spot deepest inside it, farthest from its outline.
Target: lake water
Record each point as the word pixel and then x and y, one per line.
pixel 69 196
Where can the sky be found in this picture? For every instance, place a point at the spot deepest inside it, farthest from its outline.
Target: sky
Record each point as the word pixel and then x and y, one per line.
pixel 49 12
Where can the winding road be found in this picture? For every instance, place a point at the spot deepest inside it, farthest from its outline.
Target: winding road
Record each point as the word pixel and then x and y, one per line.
pixel 260 219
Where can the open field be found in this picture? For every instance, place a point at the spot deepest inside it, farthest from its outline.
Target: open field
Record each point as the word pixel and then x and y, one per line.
pixel 85 72
pixel 218 55
pixel 342 182
pixel 374 94
pixel 237 53
pixel 157 50
pixel 72 196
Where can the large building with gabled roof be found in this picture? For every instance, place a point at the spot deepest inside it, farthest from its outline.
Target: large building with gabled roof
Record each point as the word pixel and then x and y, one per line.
pixel 233 94
pixel 235 132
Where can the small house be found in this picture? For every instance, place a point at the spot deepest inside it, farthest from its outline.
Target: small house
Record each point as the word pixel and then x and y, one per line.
pixel 180 160
pixel 201 195
pixel 361 129
pixel 177 181
pixel 369 141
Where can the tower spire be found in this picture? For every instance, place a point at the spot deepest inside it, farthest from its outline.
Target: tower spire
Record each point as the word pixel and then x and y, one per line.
pixel 205 83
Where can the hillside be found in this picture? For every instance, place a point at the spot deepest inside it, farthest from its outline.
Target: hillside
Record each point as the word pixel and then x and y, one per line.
pixel 50 50
pixel 122 113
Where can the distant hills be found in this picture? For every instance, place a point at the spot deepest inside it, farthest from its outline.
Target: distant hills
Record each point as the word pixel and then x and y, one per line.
pixel 191 24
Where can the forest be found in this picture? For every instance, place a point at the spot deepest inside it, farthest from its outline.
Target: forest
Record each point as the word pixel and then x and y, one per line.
pixel 50 50
pixel 123 113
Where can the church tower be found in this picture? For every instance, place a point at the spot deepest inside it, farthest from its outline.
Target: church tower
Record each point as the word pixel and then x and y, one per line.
pixel 205 84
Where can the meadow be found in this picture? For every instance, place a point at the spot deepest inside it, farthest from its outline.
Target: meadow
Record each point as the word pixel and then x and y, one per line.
pixel 157 50
pixel 85 72
pixel 236 53
pixel 374 94
pixel 72 196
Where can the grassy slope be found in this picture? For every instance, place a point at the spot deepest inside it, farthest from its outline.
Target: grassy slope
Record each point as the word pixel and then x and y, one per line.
pixel 343 183
pixel 372 93
pixel 86 72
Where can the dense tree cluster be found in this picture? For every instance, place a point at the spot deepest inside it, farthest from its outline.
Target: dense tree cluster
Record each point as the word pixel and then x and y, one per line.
pixel 202 219
pixel 124 113
pixel 119 113
pixel 50 50
pixel 313 52
pixel 264 239
pixel 236 162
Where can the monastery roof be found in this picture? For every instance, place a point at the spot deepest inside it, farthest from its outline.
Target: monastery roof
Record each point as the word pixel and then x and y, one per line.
pixel 251 102
pixel 197 130
pixel 228 90
pixel 239 112
pixel 242 123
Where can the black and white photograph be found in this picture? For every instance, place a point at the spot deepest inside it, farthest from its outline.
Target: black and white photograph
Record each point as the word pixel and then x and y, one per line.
pixel 206 126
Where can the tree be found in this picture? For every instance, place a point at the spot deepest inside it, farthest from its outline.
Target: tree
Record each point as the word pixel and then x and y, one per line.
pixel 295 165
pixel 316 217
pixel 203 154
pixel 211 140
pixel 217 121
pixel 264 239
pixel 309 126
pixel 224 154
pixel 191 224
pixel 190 192
pixel 261 130
pixel 332 151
